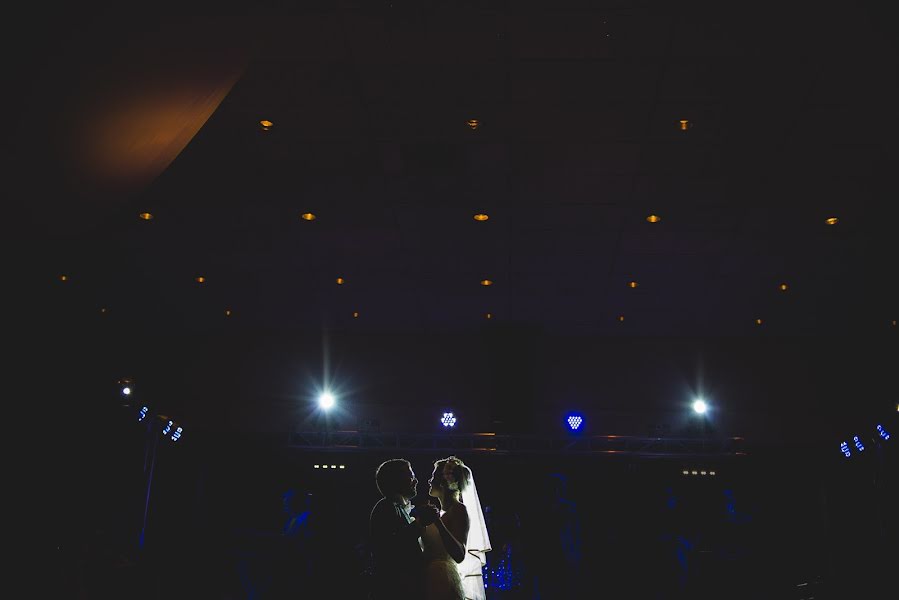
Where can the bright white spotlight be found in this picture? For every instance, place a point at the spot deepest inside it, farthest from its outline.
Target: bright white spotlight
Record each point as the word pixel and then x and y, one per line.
pixel 700 407
pixel 326 400
pixel 448 420
pixel 574 422
pixel 126 391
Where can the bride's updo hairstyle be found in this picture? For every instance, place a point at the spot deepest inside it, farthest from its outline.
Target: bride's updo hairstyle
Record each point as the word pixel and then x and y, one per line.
pixel 452 474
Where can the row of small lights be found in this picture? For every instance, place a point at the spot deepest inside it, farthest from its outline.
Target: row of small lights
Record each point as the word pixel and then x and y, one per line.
pixel 700 473
pixel 332 466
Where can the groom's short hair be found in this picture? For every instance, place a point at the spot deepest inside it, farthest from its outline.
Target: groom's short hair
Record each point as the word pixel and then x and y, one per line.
pixel 391 475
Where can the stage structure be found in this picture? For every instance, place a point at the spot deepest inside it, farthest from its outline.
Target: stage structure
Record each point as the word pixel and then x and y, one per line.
pixel 365 441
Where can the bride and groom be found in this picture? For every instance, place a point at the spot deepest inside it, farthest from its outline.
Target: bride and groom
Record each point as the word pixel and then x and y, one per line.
pixel 420 552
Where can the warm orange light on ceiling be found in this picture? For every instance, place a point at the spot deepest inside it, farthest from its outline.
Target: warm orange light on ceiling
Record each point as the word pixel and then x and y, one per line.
pixel 355 314
pixel 200 279
pixel 227 312
pixel 621 318
pixel 481 217
pixel 653 218
pixel 831 220
pixel 784 287
pixel 758 321
pixel 894 322
pixel 63 277
pixel 486 282
pixel 266 125
pixel 308 216
pixel 632 284
pixel 146 216
pixel 684 124
pixel 488 315
pixel 473 123
pixel 339 281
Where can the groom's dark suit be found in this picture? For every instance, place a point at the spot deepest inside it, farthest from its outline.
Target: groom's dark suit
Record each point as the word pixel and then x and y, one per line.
pixel 396 552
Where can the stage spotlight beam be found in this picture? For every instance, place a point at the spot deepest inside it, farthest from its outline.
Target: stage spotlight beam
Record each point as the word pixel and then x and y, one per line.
pixel 326 400
pixel 700 407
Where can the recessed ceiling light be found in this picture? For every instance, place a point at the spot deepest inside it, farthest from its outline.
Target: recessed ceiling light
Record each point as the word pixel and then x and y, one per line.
pixel 473 123
pixel 339 281
pixel 200 279
pixel 103 311
pixel 831 220
pixel 784 287
pixel 894 322
pixel 63 277
pixel 486 282
pixel 758 321
pixel 685 124
pixel 481 217
pixel 265 124
pixel 308 216
pixel 488 315
pixel 227 312
pixel 355 314
pixel 621 318
pixel 632 284
pixel 146 216
pixel 653 218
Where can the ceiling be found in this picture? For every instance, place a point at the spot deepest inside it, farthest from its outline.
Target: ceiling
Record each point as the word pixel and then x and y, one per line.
pixel 791 121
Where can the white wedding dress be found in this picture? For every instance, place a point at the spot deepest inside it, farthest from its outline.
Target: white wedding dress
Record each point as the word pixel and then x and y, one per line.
pixel 442 580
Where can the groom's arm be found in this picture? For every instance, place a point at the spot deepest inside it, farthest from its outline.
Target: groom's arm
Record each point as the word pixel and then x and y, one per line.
pixel 389 527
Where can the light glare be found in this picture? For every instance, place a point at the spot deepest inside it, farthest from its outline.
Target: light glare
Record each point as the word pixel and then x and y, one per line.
pixel 700 407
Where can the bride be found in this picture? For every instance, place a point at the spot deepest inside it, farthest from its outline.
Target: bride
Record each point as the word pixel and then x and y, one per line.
pixel 455 544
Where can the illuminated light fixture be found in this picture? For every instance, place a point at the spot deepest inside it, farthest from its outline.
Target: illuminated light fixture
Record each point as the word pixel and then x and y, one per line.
pixel 265 124
pixel 63 277
pixel 167 428
pixel 844 448
pixel 142 413
pixel 481 217
pixel 473 124
pixel 831 220
pixel 693 473
pixel 103 310
pixel 685 472
pixel 712 473
pixel 355 314
pixel 324 466
pixel 758 321
pixel 127 386
pixel 574 421
pixel 200 279
pixel 700 407
pixel 894 322
pixel 488 316
pixel 146 216
pixel 621 318
pixel 317 466
pixel 339 280
pixel 177 434
pixel 883 432
pixel 784 287
pixel 326 400
pixel 126 391
pixel 342 467
pixel 448 420
pixel 227 312
pixel 653 218
pixel 858 444
pixel 685 124
pixel 632 284
pixel 486 282
pixel 308 216
pixel 333 466
pixel 703 473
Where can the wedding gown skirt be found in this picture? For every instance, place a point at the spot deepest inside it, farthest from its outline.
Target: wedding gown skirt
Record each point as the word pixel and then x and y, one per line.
pixel 442 580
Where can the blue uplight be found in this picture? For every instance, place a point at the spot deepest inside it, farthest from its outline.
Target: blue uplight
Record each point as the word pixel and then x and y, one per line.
pixel 883 432
pixel 858 444
pixel 574 422
pixel 448 420
pixel 142 413
pixel 844 448
pixel 177 435
pixel 167 428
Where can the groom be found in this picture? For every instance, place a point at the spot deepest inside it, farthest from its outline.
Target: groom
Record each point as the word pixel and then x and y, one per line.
pixel 394 533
